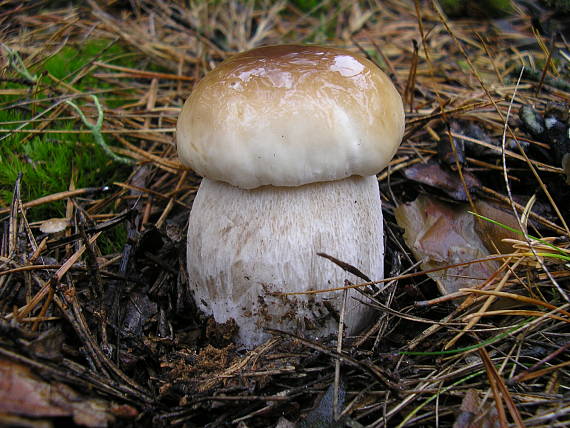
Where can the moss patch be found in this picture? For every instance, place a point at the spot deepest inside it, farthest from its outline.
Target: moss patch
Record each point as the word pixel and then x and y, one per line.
pixel 47 160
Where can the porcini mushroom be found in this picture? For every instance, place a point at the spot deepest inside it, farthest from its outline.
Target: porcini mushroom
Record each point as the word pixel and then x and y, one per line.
pixel 288 139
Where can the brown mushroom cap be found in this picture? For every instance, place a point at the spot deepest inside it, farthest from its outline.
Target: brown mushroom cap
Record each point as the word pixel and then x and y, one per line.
pixel 290 115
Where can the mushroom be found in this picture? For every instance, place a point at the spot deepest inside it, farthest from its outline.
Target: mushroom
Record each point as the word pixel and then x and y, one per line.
pixel 288 139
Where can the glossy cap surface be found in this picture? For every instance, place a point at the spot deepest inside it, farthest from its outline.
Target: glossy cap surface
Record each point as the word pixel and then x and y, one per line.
pixel 290 115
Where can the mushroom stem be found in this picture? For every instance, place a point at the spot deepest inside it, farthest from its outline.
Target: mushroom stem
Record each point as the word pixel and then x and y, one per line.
pixel 246 245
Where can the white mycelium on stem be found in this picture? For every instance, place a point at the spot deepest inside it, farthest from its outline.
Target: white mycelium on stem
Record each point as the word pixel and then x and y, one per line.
pixel 289 139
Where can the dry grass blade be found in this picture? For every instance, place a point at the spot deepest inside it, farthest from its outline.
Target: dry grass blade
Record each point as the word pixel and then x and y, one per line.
pixel 48 286
pixel 517 297
pixel 514 312
pixel 540 373
pixel 500 392
pixel 56 197
pixel 130 72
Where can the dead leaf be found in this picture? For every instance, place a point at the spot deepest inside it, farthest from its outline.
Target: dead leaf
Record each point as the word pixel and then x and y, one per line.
pixel 24 394
pixel 492 234
pixel 433 174
pixel 469 410
pixel 472 416
pixel 441 234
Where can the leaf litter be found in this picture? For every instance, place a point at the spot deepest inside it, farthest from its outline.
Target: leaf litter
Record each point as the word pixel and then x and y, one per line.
pixel 97 319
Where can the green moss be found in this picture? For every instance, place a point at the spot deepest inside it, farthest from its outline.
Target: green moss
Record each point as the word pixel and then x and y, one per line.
pixel 47 160
pixel 71 59
pixel 306 5
pixel 113 240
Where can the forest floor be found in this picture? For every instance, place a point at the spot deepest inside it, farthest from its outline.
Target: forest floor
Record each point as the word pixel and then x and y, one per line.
pixel 97 323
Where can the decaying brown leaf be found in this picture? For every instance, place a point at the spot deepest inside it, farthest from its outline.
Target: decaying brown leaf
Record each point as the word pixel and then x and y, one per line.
pixel 26 395
pixel 492 234
pixel 110 300
pixel 472 416
pixel 434 175
pixel 441 234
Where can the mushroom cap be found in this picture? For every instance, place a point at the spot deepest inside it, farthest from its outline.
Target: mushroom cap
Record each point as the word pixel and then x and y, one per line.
pixel 290 115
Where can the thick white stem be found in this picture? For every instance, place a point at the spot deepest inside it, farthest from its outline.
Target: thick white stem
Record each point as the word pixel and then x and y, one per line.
pixel 246 245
